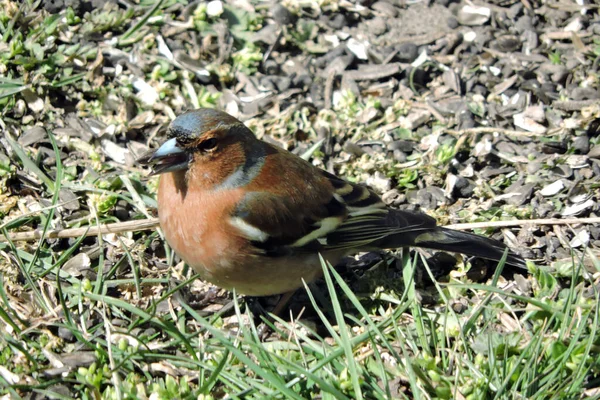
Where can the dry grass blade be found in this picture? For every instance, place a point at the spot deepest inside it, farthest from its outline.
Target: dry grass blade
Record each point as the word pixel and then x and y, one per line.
pixel 513 223
pixel 152 223
pixel 118 227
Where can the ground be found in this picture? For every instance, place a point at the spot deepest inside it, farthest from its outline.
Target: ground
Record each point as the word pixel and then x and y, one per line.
pixel 471 112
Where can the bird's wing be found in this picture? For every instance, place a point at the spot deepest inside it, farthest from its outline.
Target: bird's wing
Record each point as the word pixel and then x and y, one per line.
pixel 333 215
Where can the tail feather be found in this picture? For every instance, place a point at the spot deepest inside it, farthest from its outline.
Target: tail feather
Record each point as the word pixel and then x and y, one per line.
pixel 469 244
pixel 427 235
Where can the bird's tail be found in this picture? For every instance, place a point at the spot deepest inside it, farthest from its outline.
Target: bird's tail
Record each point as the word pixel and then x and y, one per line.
pixel 437 238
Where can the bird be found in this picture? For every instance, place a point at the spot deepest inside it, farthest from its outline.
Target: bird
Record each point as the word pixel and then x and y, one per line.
pixel 252 217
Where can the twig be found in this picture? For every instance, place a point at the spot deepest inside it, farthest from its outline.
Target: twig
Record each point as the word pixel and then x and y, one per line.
pixel 117 227
pixel 329 90
pixel 523 222
pixel 34 212
pixel 152 223
pixel 489 129
pixel 373 73
pixel 574 105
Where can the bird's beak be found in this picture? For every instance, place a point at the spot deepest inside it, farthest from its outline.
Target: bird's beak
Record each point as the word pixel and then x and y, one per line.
pixel 168 158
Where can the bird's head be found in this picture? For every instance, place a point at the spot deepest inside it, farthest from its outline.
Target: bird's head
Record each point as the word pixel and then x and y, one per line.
pixel 198 136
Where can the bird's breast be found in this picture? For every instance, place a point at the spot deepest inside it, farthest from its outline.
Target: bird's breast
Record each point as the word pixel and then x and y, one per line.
pixel 193 223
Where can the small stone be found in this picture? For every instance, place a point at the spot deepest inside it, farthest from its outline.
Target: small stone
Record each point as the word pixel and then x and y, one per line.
pixel 582 238
pixel 377 26
pixel 268 83
pixel 584 93
pixel 402 145
pixel 214 8
pixel 76 265
pixel 557 73
pixel 574 26
pixel 514 11
pixel 271 67
pixel 399 156
pixel 594 152
pixel 34 102
pixel 379 182
pixel 452 23
pixel 390 196
pixel 68 200
pixel 578 208
pixel 553 188
pixel 473 15
pixel 65 334
pixel 581 144
pixel 529 124
pixel 354 149
pixel 518 194
pixel 407 52
pixel 572 63
pixel 337 21
pixel 114 151
pixel 508 43
pixel 463 187
pixel 385 8
pixel 523 284
pixel 531 40
pixel 459 306
pixel 282 15
pixel 32 135
pixel 554 147
pixel 533 167
pixel 524 23
pixel 302 81
pixel 121 212
pixel 415 118
pixel 283 83
pixel 358 48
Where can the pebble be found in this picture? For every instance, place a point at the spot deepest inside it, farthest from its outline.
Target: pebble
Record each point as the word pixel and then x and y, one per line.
pixel 594 152
pixel 452 23
pixel 302 81
pixel 407 52
pixel 271 67
pixel 521 193
pixel 508 43
pixel 400 156
pixel 581 144
pixel 578 208
pixel 584 93
pixel 402 145
pixel 377 26
pixel 473 15
pixel 553 188
pixel 282 15
pixel 463 187
pixel 33 135
pixel 385 8
pixel 379 182
pixel 354 149
pixel 337 21
pixel 393 197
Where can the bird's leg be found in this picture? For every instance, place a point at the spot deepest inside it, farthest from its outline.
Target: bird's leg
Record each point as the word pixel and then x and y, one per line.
pixel 283 302
pixel 263 328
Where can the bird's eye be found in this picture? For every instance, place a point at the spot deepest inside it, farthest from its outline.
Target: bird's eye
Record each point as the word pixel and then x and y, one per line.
pixel 208 144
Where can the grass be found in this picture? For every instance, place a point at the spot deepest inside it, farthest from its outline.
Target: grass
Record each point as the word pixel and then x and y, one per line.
pixel 503 345
pixel 115 317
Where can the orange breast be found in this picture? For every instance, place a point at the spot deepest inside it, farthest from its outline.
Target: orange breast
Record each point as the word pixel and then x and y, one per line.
pixel 192 221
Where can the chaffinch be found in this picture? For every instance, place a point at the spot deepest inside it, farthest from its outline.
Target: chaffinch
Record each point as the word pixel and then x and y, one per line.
pixel 245 214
